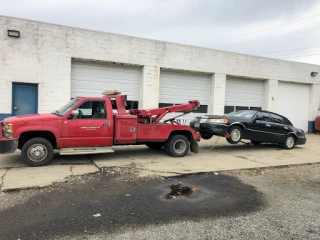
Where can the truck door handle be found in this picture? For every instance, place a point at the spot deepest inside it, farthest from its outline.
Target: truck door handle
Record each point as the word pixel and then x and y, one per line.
pixel 106 125
pixel 15 108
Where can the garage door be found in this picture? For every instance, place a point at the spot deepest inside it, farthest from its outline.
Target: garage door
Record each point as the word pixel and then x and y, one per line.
pixel 89 79
pixel 293 103
pixel 243 94
pixel 178 88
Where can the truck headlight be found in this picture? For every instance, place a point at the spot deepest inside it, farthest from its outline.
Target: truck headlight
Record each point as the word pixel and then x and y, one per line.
pixel 221 121
pixel 7 130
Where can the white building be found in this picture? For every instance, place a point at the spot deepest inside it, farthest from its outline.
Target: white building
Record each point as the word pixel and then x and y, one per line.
pixel 50 64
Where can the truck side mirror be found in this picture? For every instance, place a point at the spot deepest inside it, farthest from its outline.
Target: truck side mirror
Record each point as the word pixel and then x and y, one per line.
pixel 74 114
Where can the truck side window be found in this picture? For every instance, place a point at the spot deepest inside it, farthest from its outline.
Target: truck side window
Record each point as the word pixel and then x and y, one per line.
pixel 99 109
pixel 92 109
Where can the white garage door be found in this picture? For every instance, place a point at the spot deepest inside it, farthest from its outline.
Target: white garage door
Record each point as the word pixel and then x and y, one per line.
pixel 89 79
pixel 243 94
pixel 179 88
pixel 293 103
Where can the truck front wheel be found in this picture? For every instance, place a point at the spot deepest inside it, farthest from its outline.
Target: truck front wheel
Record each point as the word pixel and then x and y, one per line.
pixel 37 152
pixel 177 146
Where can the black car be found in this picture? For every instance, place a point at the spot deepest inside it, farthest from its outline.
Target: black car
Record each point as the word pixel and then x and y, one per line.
pixel 257 126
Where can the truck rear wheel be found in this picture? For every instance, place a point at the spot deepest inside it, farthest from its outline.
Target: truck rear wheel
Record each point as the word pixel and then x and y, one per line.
pixel 37 152
pixel 155 145
pixel 177 146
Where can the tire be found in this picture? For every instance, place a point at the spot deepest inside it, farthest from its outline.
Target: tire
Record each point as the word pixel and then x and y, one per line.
pixel 256 142
pixel 236 135
pixel 289 142
pixel 177 146
pixel 206 136
pixel 37 152
pixel 155 145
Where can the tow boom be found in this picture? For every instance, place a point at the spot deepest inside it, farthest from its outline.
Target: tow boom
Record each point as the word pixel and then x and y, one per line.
pixel 155 115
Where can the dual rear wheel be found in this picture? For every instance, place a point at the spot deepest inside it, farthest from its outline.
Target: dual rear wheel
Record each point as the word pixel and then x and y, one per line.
pixel 175 146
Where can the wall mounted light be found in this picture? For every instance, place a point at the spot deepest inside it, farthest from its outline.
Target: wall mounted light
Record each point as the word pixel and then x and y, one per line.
pixel 313 74
pixel 13 33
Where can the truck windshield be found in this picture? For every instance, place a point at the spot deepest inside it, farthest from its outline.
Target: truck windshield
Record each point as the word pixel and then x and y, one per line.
pixel 66 108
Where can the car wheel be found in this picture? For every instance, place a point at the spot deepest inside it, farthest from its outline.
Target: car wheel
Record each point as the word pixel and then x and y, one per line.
pixel 206 136
pixel 256 142
pixel 236 135
pixel 289 142
pixel 177 146
pixel 155 145
pixel 37 152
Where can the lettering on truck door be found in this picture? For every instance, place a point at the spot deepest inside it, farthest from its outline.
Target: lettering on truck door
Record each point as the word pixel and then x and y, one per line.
pixel 91 127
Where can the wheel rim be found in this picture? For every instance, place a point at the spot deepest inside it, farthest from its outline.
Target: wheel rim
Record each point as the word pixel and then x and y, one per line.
pixel 235 135
pixel 180 146
pixel 37 152
pixel 290 142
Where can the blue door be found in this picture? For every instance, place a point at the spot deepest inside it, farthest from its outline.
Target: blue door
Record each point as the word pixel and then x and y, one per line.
pixel 24 99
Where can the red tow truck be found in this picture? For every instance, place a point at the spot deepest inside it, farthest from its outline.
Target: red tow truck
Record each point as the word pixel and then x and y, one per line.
pixel 88 125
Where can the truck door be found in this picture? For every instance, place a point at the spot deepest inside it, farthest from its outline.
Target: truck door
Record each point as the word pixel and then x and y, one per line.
pixel 92 127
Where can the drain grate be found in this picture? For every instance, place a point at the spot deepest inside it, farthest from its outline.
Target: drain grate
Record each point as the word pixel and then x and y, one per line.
pixel 180 190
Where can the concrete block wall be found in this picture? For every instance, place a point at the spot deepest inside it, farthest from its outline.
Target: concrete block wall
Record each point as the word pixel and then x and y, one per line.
pixel 44 53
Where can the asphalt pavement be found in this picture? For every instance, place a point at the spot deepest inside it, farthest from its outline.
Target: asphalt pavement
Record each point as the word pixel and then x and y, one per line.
pixel 125 204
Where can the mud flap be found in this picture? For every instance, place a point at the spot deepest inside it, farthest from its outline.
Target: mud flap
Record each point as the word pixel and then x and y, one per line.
pixel 194 147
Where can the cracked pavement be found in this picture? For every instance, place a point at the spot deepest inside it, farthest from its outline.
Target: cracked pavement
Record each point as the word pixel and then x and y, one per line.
pixel 15 174
pixel 3 172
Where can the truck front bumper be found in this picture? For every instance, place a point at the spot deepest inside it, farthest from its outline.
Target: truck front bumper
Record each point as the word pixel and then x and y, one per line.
pixel 8 145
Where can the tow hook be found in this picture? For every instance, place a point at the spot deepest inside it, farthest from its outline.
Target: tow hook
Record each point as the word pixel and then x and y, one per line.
pixel 194 146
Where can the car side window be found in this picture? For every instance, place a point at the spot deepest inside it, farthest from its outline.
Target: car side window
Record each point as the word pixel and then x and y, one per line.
pixel 276 119
pixel 263 116
pixel 92 109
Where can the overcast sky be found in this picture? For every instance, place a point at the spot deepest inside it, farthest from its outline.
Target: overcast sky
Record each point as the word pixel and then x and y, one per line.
pixel 245 26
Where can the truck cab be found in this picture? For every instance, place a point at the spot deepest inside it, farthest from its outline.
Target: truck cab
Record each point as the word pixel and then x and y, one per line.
pixel 87 125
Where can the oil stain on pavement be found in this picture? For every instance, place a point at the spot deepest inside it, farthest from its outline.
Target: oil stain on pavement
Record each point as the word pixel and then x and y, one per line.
pixel 105 203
